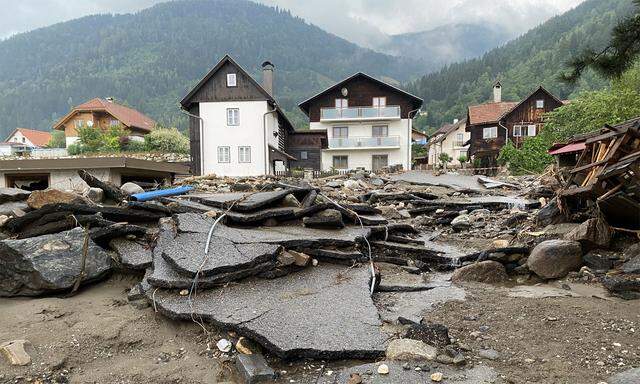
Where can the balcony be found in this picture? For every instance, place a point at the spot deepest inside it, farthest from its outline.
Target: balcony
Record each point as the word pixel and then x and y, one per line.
pixel 360 113
pixel 364 142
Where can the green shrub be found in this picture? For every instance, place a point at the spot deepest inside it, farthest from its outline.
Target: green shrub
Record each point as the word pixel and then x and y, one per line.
pixel 58 140
pixel 462 159
pixel 134 146
pixel 95 139
pixel 75 149
pixel 168 140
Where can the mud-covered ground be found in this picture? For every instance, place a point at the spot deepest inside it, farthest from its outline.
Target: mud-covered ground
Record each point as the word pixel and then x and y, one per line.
pixel 96 337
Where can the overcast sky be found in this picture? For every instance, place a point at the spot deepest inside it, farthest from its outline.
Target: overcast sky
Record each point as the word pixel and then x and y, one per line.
pixel 360 21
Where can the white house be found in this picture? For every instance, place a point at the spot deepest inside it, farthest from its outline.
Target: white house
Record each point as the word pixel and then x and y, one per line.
pixel 450 139
pixel 368 123
pixel 236 126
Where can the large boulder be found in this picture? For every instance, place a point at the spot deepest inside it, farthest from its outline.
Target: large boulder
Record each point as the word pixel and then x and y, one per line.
pixel 410 350
pixel 630 376
pixel 131 188
pixel 549 214
pixel 593 233
pixel 554 259
pixel 49 263
pixel 13 194
pixel 484 272
pixel 39 199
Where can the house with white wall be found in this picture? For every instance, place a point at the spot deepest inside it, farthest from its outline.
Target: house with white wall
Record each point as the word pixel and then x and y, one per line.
pixel 450 139
pixel 368 123
pixel 236 128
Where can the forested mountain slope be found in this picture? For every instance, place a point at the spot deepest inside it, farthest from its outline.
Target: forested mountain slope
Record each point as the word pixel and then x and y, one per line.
pixel 150 59
pixel 536 58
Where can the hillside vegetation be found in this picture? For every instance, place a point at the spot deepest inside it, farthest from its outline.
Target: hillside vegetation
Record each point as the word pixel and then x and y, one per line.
pixel 150 59
pixel 536 58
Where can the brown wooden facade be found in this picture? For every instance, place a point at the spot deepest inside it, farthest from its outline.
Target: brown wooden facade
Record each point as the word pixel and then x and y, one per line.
pixel 361 90
pixel 524 113
pixel 306 147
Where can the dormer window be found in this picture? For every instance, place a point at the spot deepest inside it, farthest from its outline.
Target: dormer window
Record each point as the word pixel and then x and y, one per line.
pixel 231 80
pixel 379 102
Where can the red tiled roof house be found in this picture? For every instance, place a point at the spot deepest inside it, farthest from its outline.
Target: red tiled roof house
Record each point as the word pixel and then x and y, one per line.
pixel 29 138
pixel 104 113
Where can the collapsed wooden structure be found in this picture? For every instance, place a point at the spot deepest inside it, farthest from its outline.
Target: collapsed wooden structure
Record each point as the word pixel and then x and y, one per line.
pixel 606 176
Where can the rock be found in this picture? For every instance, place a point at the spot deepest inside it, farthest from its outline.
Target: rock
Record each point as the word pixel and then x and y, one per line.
pixel 376 182
pixel 390 212
pixel 626 287
pixel 241 187
pixel 300 259
pixel 631 251
pixel 263 199
pixel 224 345
pixel 631 266
pixel 593 233
pixel 39 199
pixel 461 223
pixel 437 376
pixel 410 350
pixel 354 378
pixel 15 353
pixel 554 259
pixel 13 194
pixel 49 263
pixel 489 354
pixel 285 258
pixel 290 201
pixel 3 220
pixel 516 219
pixel 351 184
pixel 630 376
pixel 329 218
pixel 12 207
pixel 95 194
pixel 499 243
pixel 293 320
pixel 245 346
pixel 598 261
pixel 549 214
pixel 444 359
pixel 131 188
pixel 132 255
pixel 383 369
pixel 432 334
pixel 254 369
pixel 136 293
pixel 484 272
pixel 334 184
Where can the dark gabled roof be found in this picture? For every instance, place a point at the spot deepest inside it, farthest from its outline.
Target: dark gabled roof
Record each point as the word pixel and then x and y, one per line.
pixel 495 112
pixel 445 130
pixel 226 59
pixel 417 102
pixel 186 101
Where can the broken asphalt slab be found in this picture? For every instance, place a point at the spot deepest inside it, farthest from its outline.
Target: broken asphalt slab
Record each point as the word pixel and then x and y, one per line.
pixel 13 194
pixel 453 181
pixel 187 255
pixel 302 315
pixel 49 263
pixel 132 254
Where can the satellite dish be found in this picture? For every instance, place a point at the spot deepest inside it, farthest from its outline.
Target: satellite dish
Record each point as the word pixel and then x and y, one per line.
pixel 344 91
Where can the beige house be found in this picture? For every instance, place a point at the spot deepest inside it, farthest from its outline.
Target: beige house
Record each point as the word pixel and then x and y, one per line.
pixel 450 139
pixel 104 113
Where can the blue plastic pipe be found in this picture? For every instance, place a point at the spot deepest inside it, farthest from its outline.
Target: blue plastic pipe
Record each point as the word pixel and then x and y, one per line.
pixel 151 195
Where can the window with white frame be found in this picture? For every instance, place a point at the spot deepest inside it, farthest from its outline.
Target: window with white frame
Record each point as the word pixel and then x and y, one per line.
pixel 113 123
pixel 304 155
pixel 342 103
pixel 224 154
pixel 341 162
pixel 524 130
pixel 340 132
pixel 379 102
pixel 540 103
pixel 380 131
pixel 490 133
pixel 233 116
pixel 244 154
pixel 459 142
pixel 231 80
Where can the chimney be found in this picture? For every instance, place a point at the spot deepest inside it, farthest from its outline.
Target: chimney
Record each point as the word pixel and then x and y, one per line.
pixel 497 92
pixel 267 76
pixel 455 121
pixel 110 99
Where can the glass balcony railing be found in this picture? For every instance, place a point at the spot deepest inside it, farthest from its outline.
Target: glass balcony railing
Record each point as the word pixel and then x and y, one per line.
pixel 359 113
pixel 364 142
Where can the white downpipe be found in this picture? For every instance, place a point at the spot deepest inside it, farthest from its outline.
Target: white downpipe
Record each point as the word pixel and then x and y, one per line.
pixel 266 143
pixel 409 147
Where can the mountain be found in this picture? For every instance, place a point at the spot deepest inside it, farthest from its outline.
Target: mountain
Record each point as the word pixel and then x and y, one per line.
pixel 536 58
pixel 150 59
pixel 445 44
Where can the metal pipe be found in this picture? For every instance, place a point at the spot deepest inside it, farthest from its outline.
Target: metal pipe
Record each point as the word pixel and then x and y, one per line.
pixel 264 137
pixel 201 134
pixel 409 148
pixel 152 195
